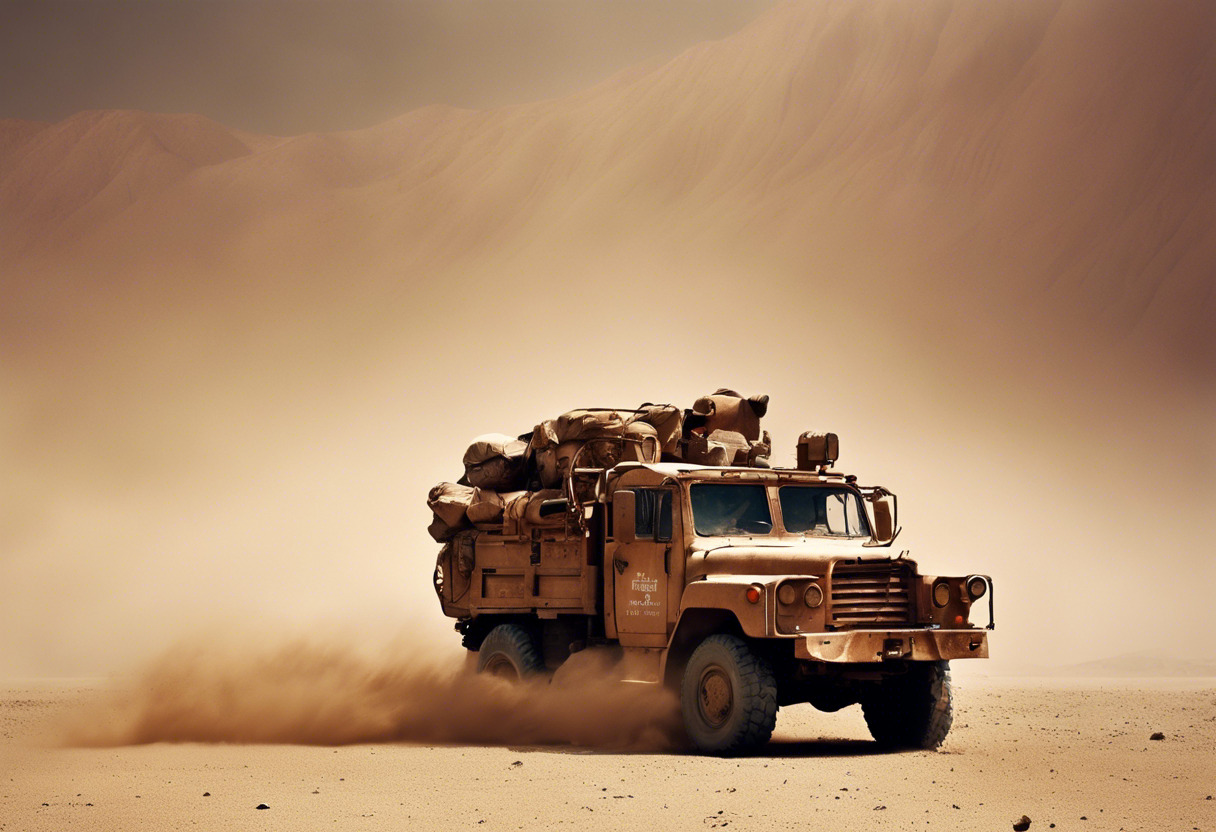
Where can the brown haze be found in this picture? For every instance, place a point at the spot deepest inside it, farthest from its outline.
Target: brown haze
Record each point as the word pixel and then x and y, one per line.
pixel 975 239
pixel 291 66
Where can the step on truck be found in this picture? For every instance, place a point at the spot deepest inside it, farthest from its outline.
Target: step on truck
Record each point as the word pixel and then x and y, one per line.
pixel 742 587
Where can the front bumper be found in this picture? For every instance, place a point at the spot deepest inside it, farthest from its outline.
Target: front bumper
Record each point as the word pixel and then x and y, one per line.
pixel 893 645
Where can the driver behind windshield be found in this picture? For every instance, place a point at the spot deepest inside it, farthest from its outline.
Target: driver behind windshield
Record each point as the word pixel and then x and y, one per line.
pixel 802 512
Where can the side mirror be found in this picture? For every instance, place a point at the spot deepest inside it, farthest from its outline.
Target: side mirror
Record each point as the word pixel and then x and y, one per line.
pixel 624 506
pixel 884 518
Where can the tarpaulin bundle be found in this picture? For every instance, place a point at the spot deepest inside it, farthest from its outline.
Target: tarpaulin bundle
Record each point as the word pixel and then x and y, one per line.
pixel 727 410
pixel 449 502
pixel 591 439
pixel 523 510
pixel 715 425
pixel 668 422
pixel 488 506
pixel 495 461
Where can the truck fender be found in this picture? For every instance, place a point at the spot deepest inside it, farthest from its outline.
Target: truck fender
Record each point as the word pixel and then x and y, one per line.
pixel 731 594
pixel 693 627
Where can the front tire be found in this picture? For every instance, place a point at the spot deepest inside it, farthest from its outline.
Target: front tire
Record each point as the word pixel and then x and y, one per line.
pixel 728 697
pixel 914 710
pixel 509 652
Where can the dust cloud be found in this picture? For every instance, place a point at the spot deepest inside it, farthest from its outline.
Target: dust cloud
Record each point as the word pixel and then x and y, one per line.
pixel 311 692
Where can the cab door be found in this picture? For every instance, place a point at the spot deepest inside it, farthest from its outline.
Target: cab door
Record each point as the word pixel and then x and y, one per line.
pixel 642 528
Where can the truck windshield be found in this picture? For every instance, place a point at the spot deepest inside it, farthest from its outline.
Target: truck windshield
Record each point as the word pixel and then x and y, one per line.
pixel 722 509
pixel 809 509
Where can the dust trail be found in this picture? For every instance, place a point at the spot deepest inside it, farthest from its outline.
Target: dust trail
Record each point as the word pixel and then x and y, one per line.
pixel 309 693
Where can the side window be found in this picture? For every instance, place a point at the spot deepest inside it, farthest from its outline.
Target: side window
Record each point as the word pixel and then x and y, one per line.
pixel 664 531
pixel 652 518
pixel 844 515
pixel 834 509
pixel 853 514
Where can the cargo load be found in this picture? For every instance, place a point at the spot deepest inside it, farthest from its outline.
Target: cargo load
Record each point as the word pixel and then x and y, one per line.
pixel 500 470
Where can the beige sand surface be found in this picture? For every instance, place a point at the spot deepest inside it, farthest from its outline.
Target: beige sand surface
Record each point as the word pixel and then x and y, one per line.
pixel 1075 754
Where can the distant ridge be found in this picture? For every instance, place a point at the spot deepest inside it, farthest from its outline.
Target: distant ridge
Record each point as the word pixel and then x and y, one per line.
pixel 1142 664
pixel 1068 141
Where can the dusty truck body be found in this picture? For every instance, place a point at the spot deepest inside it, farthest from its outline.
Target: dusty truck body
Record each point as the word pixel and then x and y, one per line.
pixel 742 588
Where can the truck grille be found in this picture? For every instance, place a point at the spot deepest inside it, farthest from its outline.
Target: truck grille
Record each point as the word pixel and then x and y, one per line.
pixel 870 593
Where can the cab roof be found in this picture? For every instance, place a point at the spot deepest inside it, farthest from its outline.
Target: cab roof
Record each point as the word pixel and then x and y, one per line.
pixel 687 470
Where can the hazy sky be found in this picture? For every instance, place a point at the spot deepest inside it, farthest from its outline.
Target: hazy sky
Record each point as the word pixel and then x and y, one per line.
pixel 293 66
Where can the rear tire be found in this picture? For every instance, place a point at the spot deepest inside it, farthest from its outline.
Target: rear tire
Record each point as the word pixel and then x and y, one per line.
pixel 728 697
pixel 914 710
pixel 509 652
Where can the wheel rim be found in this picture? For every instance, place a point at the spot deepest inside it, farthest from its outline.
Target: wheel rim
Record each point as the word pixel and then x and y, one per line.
pixel 501 667
pixel 715 697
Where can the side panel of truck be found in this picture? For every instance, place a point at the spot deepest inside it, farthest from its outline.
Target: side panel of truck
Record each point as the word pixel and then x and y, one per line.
pixel 549 574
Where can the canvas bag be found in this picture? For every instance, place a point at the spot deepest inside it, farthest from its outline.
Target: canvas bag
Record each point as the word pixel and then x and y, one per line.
pixel 727 410
pixel 495 461
pixel 668 422
pixel 487 506
pixel 450 502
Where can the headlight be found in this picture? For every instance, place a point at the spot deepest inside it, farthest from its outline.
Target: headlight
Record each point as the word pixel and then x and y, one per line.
pixel 941 593
pixel 977 585
pixel 813 596
pixel 787 594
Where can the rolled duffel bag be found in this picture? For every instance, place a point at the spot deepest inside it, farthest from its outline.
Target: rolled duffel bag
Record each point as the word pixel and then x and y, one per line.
pixel 668 422
pixel 727 410
pixel 589 438
pixel 487 505
pixel 495 461
pixel 523 511
pixel 532 510
pixel 450 501
pixel 580 425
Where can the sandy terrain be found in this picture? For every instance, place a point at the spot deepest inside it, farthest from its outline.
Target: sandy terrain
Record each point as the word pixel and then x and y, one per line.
pixel 1070 753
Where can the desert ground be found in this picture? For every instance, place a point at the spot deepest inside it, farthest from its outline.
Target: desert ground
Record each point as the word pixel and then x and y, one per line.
pixel 1068 754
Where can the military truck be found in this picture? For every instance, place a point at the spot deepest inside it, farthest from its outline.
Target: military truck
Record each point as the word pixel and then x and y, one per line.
pixel 743 588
